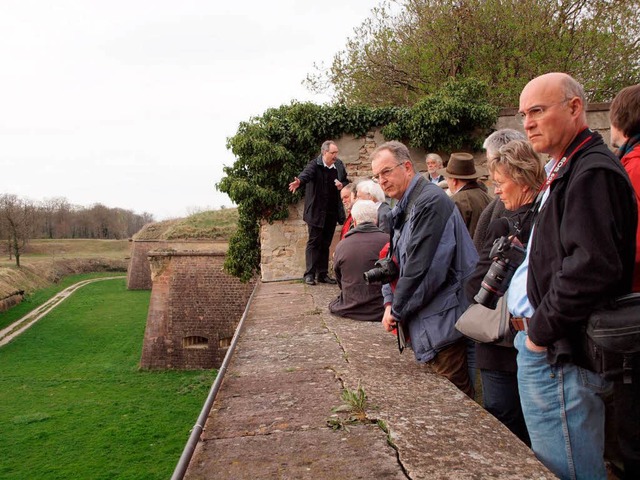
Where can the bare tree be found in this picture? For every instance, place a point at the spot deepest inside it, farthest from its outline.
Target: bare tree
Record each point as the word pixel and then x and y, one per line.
pixel 18 220
pixel 57 218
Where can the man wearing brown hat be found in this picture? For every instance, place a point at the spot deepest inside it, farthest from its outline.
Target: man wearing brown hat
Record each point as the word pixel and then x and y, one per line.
pixel 466 191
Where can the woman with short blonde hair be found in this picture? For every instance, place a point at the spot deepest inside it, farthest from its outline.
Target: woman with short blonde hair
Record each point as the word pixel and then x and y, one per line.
pixel 517 173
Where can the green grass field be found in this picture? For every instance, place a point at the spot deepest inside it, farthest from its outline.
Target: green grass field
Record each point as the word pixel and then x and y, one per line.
pixel 37 298
pixel 73 403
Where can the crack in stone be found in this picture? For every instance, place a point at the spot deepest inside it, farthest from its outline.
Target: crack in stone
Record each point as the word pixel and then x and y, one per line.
pixel 375 421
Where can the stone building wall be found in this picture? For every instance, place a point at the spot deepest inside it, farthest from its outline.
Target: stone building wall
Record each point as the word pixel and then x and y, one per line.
pixel 194 310
pixel 283 242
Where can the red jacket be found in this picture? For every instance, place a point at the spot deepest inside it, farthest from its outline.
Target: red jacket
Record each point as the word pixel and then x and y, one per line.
pixel 346 226
pixel 631 162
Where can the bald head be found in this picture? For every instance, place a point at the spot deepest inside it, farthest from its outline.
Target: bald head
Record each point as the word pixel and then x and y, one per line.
pixel 554 110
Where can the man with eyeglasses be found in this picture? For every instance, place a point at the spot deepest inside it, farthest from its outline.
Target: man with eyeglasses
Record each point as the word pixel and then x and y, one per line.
pixel 580 255
pixel 323 177
pixel 435 254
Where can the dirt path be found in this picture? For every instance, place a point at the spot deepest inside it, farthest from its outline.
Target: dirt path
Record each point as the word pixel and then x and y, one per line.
pixel 19 326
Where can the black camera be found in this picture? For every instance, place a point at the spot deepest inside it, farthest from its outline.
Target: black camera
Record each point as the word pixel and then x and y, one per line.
pixel 385 271
pixel 506 258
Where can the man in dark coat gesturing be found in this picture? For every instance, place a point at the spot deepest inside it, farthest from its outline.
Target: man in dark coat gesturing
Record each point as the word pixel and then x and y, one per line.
pixel 323 177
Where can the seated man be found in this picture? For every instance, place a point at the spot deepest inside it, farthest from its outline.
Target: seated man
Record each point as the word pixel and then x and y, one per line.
pixel 355 255
pixel 370 190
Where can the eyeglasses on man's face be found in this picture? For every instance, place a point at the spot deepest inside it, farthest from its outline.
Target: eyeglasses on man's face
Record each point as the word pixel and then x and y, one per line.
pixel 384 173
pixel 537 112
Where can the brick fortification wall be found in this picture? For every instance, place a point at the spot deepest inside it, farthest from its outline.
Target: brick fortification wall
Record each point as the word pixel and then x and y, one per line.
pixel 283 242
pixel 193 312
pixel 139 271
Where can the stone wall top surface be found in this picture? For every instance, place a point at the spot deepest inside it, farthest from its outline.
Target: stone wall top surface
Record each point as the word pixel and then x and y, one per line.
pixel 275 415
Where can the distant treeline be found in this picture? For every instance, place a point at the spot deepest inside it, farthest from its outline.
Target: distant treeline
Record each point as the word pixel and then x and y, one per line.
pixel 57 218
pixel 22 219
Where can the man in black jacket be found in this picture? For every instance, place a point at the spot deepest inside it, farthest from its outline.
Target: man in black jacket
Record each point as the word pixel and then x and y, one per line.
pixel 323 177
pixel 580 255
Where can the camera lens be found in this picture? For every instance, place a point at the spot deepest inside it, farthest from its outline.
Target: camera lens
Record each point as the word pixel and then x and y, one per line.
pixel 507 258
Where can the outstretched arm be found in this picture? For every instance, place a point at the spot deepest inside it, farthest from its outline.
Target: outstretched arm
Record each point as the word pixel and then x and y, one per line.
pixel 293 186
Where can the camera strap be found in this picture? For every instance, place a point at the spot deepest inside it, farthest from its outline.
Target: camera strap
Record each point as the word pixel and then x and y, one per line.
pixel 553 174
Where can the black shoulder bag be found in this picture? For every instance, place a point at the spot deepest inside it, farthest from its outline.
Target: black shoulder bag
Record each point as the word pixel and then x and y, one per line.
pixel 613 338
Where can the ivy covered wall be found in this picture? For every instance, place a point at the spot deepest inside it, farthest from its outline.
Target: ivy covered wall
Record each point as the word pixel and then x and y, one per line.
pixel 272 149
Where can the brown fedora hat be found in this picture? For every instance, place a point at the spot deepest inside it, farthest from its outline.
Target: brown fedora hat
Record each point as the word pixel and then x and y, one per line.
pixel 460 165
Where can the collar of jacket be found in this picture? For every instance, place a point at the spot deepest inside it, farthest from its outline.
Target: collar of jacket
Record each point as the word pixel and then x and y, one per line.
pixel 629 145
pixel 320 162
pixel 365 227
pixel 473 184
pixel 402 203
pixel 596 139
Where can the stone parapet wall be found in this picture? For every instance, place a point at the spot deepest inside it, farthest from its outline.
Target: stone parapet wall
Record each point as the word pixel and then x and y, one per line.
pixel 282 243
pixel 139 271
pixel 193 311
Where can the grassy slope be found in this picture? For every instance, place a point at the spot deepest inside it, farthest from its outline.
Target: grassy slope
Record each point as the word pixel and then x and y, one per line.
pixel 217 225
pixel 45 262
pixel 74 404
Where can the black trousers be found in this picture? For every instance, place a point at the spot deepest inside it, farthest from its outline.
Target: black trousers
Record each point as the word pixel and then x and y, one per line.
pixel 626 398
pixel 317 252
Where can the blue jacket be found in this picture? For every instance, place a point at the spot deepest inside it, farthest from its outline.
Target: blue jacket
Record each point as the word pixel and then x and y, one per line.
pixel 435 254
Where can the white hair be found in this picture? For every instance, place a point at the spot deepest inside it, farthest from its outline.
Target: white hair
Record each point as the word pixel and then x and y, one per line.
pixel 499 138
pixel 365 211
pixel 436 157
pixel 372 189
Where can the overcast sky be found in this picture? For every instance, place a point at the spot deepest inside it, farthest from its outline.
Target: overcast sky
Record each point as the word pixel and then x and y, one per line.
pixel 129 103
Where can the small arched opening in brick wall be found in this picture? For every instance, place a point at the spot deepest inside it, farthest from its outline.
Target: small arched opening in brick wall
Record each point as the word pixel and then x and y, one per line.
pixel 283 243
pixel 194 310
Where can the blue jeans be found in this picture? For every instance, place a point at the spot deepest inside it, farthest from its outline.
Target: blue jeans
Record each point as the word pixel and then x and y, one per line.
pixel 471 362
pixel 564 411
pixel 502 400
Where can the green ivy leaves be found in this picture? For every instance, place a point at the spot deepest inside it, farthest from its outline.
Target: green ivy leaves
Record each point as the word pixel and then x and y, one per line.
pixel 272 149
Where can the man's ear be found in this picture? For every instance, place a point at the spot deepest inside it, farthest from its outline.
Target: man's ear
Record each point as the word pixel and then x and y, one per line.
pixel 576 107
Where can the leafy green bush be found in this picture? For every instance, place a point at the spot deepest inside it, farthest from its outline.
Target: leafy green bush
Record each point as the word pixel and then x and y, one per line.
pixel 272 149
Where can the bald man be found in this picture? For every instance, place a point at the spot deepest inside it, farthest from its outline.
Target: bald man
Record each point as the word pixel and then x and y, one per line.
pixel 580 256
